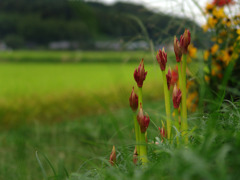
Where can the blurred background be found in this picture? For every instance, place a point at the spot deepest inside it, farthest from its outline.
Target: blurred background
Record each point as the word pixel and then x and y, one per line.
pixel 66 73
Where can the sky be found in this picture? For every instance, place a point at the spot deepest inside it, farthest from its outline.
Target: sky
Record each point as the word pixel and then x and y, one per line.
pixel 186 8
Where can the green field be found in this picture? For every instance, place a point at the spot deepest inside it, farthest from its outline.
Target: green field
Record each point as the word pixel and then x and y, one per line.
pixel 43 90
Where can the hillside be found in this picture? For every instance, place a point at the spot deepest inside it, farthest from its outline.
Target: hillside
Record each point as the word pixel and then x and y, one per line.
pixel 34 24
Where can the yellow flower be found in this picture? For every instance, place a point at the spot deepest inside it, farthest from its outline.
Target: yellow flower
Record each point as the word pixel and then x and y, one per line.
pixel 214 48
pixel 192 101
pixel 209 8
pixel 192 51
pixel 226 55
pixel 238 31
pixel 220 41
pixel 206 55
pixel 227 22
pixel 223 33
pixel 218 13
pixel 212 22
pixel 216 69
pixel 207 78
pixel 205 27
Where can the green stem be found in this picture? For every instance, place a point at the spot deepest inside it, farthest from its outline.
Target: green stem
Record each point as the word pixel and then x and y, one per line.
pixel 177 123
pixel 137 132
pixel 139 97
pixel 184 123
pixel 143 149
pixel 167 104
pixel 179 74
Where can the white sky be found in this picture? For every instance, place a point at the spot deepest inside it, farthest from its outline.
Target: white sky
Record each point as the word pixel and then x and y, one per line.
pixel 185 8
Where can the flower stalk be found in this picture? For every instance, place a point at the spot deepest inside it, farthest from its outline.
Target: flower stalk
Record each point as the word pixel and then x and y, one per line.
pixel 167 104
pixel 184 123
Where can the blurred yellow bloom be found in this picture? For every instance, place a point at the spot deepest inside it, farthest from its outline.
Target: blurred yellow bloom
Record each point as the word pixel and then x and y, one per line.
pixel 226 56
pixel 223 33
pixel 220 41
pixel 209 8
pixel 227 22
pixel 206 55
pixel 214 48
pixel 218 13
pixel 238 32
pixel 192 51
pixel 212 22
pixel 205 27
pixel 192 101
pixel 207 78
pixel 216 69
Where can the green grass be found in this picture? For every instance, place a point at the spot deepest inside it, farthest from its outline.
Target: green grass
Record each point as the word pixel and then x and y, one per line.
pixel 80 149
pixel 75 56
pixel 43 91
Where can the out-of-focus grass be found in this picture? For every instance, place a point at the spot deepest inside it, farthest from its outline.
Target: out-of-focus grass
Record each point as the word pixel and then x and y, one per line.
pixel 75 144
pixel 50 92
pixel 82 147
pixel 75 56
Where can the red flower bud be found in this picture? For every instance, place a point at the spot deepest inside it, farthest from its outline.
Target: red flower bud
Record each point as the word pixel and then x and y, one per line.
pixel 135 156
pixel 185 40
pixel 177 49
pixel 169 78
pixel 112 158
pixel 176 97
pixel 140 74
pixel 162 59
pixel 174 76
pixel 143 120
pixel 133 100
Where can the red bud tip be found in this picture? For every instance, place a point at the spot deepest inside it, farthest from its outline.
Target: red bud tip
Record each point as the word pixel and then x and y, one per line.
pixel 143 120
pixel 185 40
pixel 135 156
pixel 133 100
pixel 177 49
pixel 112 158
pixel 162 59
pixel 176 97
pixel 169 78
pixel 140 74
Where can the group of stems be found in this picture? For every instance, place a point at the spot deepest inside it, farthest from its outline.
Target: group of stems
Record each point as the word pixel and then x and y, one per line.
pixel 140 137
pixel 183 86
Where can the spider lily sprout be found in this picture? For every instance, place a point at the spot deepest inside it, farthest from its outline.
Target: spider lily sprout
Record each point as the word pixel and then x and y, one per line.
pixel 133 100
pixel 176 97
pixel 112 158
pixel 185 40
pixel 162 59
pixel 143 120
pixel 177 49
pixel 140 74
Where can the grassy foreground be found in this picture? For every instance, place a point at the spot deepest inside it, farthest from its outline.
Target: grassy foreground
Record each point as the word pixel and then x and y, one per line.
pixel 80 149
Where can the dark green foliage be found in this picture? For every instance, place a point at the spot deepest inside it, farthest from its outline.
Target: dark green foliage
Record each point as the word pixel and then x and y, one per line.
pixel 36 23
